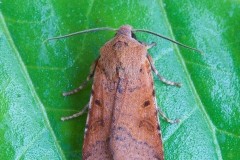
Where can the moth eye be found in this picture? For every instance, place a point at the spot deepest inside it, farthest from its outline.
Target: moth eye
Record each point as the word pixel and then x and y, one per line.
pixel 146 103
pixel 134 35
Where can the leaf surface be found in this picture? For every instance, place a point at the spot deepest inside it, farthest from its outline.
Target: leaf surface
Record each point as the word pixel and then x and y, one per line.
pixel 33 74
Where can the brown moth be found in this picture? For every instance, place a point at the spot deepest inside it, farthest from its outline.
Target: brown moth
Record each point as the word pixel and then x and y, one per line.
pixel 122 121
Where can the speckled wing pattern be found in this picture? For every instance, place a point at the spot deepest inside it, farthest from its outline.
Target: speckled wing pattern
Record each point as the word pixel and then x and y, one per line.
pixel 123 119
pixel 99 119
pixel 135 131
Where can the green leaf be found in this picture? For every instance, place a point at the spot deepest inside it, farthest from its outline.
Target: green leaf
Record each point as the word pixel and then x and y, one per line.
pixel 33 74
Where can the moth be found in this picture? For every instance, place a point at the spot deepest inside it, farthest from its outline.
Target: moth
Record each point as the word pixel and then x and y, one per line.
pixel 123 122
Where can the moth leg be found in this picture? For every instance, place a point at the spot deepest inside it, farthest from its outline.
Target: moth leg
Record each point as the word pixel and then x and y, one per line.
pixel 90 76
pixel 148 46
pixel 166 118
pixel 159 76
pixel 75 115
pixel 151 45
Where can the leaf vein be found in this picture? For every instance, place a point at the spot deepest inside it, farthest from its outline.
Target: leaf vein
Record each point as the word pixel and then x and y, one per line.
pixel 36 137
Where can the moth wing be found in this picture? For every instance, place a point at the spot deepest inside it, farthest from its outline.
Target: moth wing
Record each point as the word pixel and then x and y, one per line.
pixel 135 131
pixel 99 118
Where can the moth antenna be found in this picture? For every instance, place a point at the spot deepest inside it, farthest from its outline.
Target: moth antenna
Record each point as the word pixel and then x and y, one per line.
pixel 81 32
pixel 164 37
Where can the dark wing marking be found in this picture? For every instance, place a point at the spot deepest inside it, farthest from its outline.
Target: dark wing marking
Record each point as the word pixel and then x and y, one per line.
pixel 99 119
pixel 135 129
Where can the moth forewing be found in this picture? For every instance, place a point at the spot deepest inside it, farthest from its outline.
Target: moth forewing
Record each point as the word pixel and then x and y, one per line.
pixel 123 122
pixel 123 118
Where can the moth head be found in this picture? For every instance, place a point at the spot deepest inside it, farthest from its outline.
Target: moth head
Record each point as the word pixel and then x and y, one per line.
pixel 125 30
